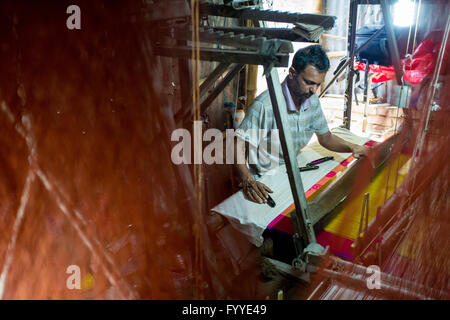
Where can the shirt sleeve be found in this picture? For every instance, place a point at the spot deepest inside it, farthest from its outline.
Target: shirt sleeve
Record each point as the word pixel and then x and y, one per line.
pixel 320 124
pixel 254 120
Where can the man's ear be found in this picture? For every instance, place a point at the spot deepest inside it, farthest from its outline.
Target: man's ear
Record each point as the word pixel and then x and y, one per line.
pixel 292 73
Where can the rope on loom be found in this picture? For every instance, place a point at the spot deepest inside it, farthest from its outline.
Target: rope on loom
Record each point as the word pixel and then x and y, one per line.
pixel 432 89
pixel 408 56
pixel 417 22
pixel 409 33
pixel 419 145
pixel 198 261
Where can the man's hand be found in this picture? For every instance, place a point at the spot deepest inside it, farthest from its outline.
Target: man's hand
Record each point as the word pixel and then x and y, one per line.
pixel 358 151
pixel 255 191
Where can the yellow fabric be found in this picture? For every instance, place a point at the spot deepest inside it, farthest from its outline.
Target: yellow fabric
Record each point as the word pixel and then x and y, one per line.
pixel 346 222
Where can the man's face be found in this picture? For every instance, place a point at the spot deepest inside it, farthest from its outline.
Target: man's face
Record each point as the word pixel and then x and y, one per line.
pixel 306 82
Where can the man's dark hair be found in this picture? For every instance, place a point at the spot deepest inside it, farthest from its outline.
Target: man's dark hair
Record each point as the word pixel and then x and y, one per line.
pixel 311 55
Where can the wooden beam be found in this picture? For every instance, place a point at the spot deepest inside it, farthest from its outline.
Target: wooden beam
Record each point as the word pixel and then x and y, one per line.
pixel 224 55
pixel 300 220
pixel 219 88
pixel 205 86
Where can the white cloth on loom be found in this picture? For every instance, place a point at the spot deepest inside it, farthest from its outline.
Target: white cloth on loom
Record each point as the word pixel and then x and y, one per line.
pixel 251 218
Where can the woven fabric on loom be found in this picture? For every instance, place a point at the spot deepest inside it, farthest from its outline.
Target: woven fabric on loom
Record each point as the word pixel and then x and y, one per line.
pixel 343 229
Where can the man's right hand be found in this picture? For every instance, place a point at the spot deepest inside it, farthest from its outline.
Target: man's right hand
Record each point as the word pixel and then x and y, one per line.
pixel 255 191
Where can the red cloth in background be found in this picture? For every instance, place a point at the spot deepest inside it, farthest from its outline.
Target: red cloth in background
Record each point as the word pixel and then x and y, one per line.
pixel 381 73
pixel 421 65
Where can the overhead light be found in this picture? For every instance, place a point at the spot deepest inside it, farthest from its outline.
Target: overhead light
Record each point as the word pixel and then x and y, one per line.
pixel 404 13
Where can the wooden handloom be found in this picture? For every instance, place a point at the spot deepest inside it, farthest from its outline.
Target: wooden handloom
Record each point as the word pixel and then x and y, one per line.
pixel 324 199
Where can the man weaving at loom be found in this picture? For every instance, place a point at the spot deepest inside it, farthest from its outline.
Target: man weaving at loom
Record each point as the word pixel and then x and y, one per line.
pixel 305 116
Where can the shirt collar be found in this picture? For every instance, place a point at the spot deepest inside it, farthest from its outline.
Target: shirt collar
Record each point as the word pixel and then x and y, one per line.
pixel 290 102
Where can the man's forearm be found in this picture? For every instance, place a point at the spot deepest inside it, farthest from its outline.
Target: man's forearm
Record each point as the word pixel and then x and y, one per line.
pixel 334 143
pixel 239 154
pixel 242 171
